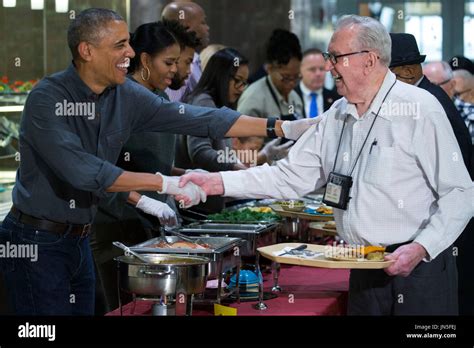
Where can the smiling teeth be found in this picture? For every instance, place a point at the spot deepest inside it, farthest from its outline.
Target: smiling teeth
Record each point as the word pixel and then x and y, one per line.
pixel 124 65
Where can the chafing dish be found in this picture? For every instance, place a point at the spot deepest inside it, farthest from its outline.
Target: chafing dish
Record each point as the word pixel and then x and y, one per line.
pixel 222 249
pixel 254 235
pixel 224 254
pixel 163 279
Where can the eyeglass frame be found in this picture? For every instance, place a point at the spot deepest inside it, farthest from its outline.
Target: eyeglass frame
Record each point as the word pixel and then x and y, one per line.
pixel 285 79
pixel 333 58
pixel 444 82
pixel 238 83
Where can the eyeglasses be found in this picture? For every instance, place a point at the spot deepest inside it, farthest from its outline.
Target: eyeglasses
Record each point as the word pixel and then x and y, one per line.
pixel 333 58
pixel 443 83
pixel 239 83
pixel 287 79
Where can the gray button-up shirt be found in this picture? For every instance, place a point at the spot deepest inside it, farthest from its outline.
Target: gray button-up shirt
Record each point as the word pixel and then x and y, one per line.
pixel 70 139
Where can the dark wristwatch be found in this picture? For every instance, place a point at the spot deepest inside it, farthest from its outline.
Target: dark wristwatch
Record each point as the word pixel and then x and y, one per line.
pixel 271 127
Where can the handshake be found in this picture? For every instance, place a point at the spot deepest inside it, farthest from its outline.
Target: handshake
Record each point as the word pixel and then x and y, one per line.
pixel 188 195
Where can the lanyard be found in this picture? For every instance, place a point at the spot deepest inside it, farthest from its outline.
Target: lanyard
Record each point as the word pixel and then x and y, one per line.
pixel 272 92
pixel 370 129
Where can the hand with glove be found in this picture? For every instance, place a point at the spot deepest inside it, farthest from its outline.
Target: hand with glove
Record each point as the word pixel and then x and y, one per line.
pixel 274 150
pixel 162 211
pixel 190 194
pixel 294 129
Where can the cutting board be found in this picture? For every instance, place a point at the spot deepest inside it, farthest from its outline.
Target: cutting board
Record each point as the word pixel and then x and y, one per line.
pixel 320 261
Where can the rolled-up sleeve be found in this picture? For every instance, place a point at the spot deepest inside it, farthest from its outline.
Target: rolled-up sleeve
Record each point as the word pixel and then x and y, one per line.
pixel 61 148
pixel 292 177
pixel 159 115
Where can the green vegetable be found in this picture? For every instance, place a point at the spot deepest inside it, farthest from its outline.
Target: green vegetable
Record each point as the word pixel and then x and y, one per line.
pixel 243 215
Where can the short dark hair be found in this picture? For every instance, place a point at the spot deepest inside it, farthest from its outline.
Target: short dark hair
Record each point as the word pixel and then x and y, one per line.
pixel 151 38
pixel 282 46
pixel 217 74
pixel 87 27
pixel 310 51
pixel 185 38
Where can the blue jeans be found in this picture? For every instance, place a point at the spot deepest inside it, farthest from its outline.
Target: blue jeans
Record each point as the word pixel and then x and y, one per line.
pixel 60 282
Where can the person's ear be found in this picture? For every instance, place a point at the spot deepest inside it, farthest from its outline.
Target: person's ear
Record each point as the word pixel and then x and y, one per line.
pixel 145 60
pixel 371 60
pixel 85 51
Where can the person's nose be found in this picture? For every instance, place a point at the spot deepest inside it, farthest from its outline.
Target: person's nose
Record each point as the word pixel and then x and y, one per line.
pixel 130 53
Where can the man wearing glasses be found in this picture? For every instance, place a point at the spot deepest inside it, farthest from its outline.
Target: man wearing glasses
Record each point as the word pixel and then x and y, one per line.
pixel 441 74
pixel 273 95
pixel 387 175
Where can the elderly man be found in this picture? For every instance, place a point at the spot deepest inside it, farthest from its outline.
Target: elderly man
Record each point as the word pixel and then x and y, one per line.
pixel 316 98
pixel 73 127
pixel 192 16
pixel 440 74
pixel 385 170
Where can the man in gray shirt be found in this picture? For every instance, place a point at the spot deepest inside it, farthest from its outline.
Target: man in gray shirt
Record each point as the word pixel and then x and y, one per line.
pixel 73 127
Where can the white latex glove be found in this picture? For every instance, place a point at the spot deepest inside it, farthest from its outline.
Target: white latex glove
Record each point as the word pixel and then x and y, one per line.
pixel 274 151
pixel 191 191
pixel 187 171
pixel 294 129
pixel 162 211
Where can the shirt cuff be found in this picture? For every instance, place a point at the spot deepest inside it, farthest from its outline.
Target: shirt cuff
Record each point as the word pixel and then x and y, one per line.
pixel 106 177
pixel 232 183
pixel 430 248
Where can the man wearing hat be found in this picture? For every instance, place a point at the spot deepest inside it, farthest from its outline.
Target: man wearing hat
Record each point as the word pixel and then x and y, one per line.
pixel 406 65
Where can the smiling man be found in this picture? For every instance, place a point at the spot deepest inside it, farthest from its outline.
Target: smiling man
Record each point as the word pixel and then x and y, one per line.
pixel 403 191
pixel 67 163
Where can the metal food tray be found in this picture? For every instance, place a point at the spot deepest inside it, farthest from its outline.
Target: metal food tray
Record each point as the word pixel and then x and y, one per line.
pixel 255 235
pixel 218 245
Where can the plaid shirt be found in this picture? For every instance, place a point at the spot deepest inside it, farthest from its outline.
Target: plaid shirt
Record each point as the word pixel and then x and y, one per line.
pixel 467 112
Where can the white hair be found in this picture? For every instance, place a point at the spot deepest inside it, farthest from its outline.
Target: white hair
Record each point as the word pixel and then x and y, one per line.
pixel 445 69
pixel 371 35
pixel 462 74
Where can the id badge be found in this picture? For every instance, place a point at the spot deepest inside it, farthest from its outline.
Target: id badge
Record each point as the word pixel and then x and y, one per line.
pixel 337 190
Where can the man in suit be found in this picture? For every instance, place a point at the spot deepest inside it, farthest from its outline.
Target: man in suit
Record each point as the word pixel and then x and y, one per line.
pixel 316 98
pixel 406 65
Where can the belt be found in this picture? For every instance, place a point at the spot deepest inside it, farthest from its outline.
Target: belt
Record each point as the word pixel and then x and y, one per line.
pixel 51 226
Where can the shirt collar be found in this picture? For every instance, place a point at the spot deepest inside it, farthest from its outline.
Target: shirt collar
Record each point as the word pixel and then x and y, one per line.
pixel 419 81
pixel 387 83
pixel 306 91
pixel 74 81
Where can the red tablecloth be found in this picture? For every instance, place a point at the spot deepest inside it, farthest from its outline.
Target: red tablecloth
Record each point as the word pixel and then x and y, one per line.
pixel 305 291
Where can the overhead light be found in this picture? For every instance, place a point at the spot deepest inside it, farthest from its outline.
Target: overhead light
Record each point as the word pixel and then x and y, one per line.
pixel 62 6
pixel 9 3
pixel 37 4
